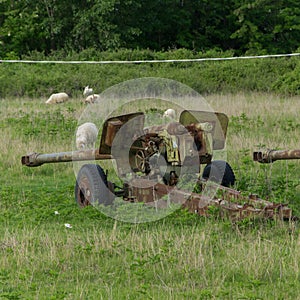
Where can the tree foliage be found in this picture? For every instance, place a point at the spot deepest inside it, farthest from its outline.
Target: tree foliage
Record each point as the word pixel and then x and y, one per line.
pixel 269 26
pixel 260 26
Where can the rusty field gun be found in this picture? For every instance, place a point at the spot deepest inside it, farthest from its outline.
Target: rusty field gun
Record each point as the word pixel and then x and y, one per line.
pixel 157 163
pixel 269 156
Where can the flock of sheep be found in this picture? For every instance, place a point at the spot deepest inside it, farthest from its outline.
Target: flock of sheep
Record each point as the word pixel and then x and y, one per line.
pixel 88 94
pixel 86 134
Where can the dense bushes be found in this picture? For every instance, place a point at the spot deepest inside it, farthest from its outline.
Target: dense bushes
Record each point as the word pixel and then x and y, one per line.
pixel 279 75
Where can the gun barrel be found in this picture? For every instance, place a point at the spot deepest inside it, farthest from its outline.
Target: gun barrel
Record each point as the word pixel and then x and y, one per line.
pixel 37 159
pixel 269 156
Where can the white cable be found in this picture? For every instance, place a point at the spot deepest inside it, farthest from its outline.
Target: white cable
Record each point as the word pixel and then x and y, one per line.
pixel 144 61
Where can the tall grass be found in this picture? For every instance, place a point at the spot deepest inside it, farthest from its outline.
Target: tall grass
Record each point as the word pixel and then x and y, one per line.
pixel 165 260
pixel 181 256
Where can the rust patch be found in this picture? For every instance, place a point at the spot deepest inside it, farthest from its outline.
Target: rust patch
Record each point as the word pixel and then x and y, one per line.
pixel 231 203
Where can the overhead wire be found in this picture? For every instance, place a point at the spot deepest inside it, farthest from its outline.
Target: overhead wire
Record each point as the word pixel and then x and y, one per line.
pixel 147 60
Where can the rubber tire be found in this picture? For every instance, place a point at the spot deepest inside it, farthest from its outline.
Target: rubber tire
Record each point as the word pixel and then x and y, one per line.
pixel 91 186
pixel 220 172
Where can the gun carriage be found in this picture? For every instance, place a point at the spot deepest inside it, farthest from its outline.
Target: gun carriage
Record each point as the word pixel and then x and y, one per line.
pixel 158 159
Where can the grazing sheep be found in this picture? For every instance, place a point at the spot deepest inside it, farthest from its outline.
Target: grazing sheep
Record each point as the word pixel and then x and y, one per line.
pixel 86 136
pixel 87 91
pixel 91 98
pixel 170 113
pixel 57 98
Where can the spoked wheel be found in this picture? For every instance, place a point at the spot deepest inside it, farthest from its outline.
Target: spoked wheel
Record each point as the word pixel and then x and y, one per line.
pixel 91 186
pixel 220 172
pixel 140 160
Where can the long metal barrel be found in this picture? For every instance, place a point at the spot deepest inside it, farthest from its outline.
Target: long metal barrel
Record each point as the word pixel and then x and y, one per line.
pixel 37 159
pixel 268 156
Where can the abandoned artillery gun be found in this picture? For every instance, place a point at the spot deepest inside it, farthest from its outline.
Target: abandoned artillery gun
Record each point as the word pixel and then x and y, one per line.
pixel 157 161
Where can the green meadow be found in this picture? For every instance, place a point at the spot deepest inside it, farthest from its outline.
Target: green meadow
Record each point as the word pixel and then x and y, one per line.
pixel 182 256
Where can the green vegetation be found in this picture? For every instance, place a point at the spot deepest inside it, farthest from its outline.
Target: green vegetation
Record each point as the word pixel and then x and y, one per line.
pixel 278 75
pixel 182 256
pixel 244 26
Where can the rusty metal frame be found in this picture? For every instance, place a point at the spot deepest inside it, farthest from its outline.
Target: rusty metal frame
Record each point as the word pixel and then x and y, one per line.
pixel 232 204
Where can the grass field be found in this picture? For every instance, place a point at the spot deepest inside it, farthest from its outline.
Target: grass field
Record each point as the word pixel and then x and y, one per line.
pixel 181 256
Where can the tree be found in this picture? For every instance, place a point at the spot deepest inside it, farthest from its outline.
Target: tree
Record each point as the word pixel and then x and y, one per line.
pixel 106 24
pixel 253 26
pixel 40 25
pixel 268 26
pixel 19 30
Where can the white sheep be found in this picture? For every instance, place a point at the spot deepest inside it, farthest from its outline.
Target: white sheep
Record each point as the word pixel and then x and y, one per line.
pixel 91 98
pixel 170 113
pixel 57 98
pixel 87 91
pixel 86 136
